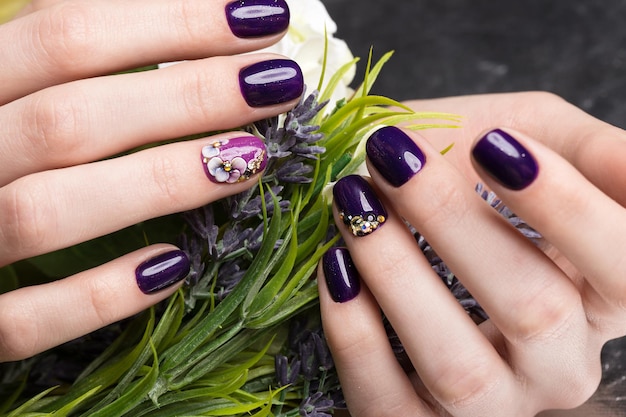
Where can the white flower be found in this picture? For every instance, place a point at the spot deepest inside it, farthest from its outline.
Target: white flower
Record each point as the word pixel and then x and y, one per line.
pixel 304 43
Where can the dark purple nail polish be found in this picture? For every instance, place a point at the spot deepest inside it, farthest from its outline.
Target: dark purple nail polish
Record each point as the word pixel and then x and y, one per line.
pixel 505 159
pixel 342 278
pixel 162 271
pixel 394 155
pixel 234 160
pixel 359 207
pixel 256 18
pixel 271 82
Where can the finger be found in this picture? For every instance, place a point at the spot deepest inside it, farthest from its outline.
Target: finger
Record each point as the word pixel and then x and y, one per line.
pixel 462 229
pixel 70 40
pixel 524 172
pixel 455 361
pixel 359 344
pixel 580 138
pixel 528 298
pixel 96 118
pixel 33 319
pixel 55 209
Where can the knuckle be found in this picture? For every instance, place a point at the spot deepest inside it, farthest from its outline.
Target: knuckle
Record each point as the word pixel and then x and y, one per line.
pixel 57 124
pixel 184 15
pixel 582 383
pixel 103 304
pixel 26 216
pixel 166 176
pixel 197 97
pixel 66 36
pixel 18 333
pixel 447 203
pixel 464 383
pixel 544 316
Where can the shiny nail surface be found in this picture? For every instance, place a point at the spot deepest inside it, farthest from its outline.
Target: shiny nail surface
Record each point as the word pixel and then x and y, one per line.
pixel 256 18
pixel 271 82
pixel 505 160
pixel 342 278
pixel 359 207
pixel 162 271
pixel 233 160
pixel 394 155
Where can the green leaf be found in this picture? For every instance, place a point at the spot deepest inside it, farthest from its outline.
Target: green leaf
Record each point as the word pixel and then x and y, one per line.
pixel 65 410
pixel 180 357
pixel 21 410
pixel 373 75
pixel 8 279
pixel 343 115
pixel 134 395
pixel 265 296
pixel 114 369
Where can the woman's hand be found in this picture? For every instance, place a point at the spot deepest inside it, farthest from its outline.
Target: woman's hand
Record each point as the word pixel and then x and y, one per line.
pixel 551 307
pixel 64 117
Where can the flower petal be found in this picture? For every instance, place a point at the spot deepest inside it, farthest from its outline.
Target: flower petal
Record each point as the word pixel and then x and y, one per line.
pixel 234 176
pixel 210 151
pixel 214 165
pixel 239 164
pixel 221 175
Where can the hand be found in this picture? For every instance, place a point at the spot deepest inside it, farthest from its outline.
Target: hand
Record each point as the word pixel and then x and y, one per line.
pixel 64 119
pixel 551 307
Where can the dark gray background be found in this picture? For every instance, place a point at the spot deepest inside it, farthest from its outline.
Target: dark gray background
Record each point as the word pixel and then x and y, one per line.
pixel 574 48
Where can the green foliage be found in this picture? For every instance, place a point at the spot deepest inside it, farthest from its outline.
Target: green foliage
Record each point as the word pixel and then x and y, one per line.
pixel 216 358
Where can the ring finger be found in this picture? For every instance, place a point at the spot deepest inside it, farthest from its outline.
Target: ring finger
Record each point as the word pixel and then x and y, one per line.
pixel 55 209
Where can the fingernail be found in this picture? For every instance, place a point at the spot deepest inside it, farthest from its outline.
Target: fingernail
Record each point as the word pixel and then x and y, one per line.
pixel 256 18
pixel 271 82
pixel 341 276
pixel 162 271
pixel 506 160
pixel 234 160
pixel 359 207
pixel 394 155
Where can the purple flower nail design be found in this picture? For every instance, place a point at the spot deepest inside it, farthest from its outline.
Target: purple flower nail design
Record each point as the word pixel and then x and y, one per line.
pixel 234 160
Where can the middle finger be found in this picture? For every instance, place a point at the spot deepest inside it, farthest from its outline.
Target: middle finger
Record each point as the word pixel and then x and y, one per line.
pixel 70 40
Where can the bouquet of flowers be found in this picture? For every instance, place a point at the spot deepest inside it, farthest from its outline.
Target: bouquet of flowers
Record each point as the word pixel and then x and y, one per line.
pixel 244 336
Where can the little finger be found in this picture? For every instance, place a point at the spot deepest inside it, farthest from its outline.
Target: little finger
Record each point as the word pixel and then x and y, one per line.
pixel 36 318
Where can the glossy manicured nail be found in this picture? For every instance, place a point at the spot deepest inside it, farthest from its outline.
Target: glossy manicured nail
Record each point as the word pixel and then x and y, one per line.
pixel 394 155
pixel 256 18
pixel 359 207
pixel 271 82
pixel 505 159
pixel 162 271
pixel 342 278
pixel 234 160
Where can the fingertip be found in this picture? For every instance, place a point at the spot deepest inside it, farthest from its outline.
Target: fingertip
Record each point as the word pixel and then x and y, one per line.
pixel 505 159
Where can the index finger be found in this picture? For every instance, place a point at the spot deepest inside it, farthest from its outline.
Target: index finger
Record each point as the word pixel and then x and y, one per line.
pixel 580 138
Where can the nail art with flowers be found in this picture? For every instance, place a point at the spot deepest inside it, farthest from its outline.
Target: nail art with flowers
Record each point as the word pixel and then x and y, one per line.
pixel 234 160
pixel 359 207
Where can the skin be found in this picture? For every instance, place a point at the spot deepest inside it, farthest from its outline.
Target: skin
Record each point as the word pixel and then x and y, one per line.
pixel 63 114
pixel 551 308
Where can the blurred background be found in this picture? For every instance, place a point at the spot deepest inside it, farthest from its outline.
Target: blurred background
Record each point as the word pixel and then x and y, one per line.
pixel 574 48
